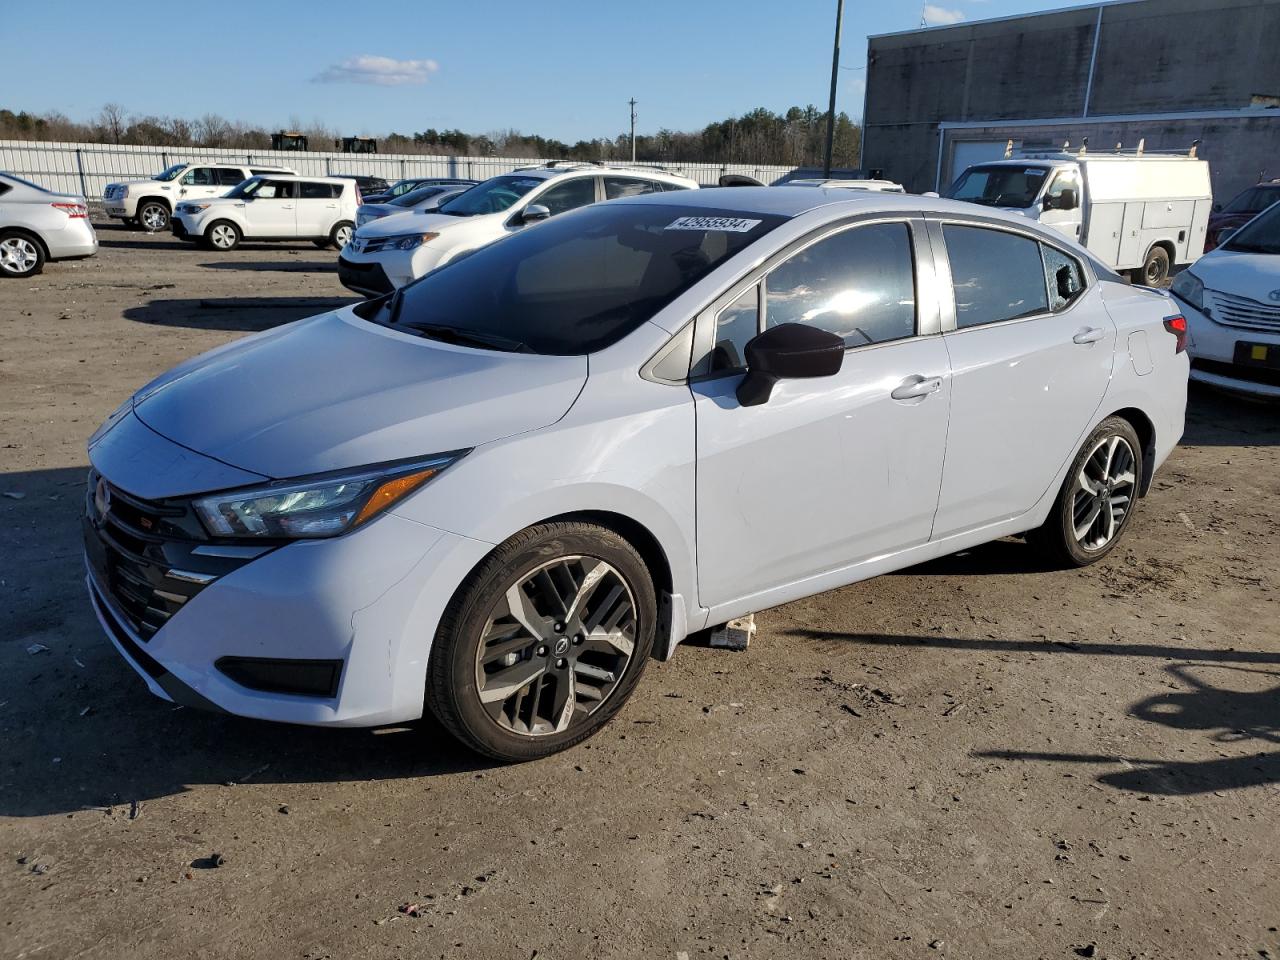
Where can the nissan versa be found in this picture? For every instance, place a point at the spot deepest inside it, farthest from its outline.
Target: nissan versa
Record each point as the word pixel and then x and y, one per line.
pixel 497 492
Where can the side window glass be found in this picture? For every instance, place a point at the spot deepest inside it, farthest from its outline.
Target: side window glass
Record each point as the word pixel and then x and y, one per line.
pixel 858 284
pixel 736 324
pixel 314 191
pixel 570 195
pixel 1064 277
pixel 229 176
pixel 199 177
pixel 275 190
pixel 615 187
pixel 995 275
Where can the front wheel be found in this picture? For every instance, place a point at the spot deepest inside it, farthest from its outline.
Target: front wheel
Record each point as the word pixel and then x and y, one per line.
pixel 341 233
pixel 1154 269
pixel 1097 498
pixel 20 255
pixel 222 235
pixel 153 216
pixel 544 642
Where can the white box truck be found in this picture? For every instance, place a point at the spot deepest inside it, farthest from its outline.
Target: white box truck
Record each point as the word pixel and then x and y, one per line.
pixel 1137 212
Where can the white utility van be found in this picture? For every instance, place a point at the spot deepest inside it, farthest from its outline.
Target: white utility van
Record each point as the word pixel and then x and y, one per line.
pixel 1137 212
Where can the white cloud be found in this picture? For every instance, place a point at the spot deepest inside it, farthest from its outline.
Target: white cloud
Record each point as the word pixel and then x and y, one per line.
pixel 381 71
pixel 936 16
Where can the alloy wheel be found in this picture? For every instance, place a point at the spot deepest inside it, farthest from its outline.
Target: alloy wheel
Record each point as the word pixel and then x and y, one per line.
pixel 18 254
pixel 556 645
pixel 222 236
pixel 342 236
pixel 153 217
pixel 1103 492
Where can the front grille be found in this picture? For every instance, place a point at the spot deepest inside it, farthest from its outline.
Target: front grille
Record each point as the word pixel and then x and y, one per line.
pixel 1235 311
pixel 111 192
pixel 145 555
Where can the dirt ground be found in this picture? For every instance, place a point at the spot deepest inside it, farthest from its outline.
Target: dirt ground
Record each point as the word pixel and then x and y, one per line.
pixel 974 758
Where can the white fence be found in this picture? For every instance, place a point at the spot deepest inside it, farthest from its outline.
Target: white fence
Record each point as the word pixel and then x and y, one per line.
pixel 86 168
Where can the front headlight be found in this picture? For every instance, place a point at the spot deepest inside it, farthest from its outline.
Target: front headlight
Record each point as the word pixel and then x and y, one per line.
pixel 195 207
pixel 410 241
pixel 1188 288
pixel 322 506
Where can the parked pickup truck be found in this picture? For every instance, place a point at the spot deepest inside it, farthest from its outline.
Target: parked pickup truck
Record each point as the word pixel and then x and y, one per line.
pixel 1138 213
pixel 150 203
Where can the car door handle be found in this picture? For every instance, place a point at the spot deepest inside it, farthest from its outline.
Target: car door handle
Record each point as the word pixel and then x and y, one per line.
pixel 286 206
pixel 1089 335
pixel 916 387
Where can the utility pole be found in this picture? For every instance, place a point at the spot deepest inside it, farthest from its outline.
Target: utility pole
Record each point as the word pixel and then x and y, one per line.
pixel 831 106
pixel 632 101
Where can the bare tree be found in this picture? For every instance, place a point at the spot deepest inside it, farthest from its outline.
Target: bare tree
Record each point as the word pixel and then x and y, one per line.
pixel 112 120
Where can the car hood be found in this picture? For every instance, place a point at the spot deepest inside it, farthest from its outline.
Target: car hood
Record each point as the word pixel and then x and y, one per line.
pixel 335 391
pixel 426 222
pixel 1252 275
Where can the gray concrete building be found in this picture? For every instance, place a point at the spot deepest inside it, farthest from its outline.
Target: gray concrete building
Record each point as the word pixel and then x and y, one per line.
pixel 1165 71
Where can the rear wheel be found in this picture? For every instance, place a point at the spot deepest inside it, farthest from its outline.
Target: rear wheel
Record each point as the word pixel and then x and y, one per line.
pixel 20 255
pixel 222 235
pixel 153 216
pixel 1097 498
pixel 544 642
pixel 1155 269
pixel 340 235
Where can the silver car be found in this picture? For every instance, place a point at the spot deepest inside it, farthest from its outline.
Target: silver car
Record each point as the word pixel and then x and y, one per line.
pixel 424 199
pixel 38 225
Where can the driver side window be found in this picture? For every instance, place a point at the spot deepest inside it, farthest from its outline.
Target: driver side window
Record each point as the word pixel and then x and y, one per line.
pixel 1063 181
pixel 199 177
pixel 569 196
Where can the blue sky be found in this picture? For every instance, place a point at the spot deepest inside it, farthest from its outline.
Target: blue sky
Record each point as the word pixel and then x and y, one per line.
pixel 562 68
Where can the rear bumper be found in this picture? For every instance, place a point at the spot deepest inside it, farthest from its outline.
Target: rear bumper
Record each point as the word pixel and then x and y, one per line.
pixel 368 279
pixel 76 239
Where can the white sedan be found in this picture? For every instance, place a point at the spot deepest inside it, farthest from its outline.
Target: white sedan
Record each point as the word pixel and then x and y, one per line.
pixel 497 492
pixel 1231 299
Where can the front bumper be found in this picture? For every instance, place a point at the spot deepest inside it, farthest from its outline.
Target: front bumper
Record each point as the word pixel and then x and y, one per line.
pixel 1215 360
pixel 367 278
pixel 185 227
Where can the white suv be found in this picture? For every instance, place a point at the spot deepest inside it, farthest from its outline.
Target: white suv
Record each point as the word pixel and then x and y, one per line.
pixel 150 203
pixel 272 207
pixel 392 252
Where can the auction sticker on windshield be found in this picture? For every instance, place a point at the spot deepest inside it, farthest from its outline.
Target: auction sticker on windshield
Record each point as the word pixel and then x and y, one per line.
pixel 723 224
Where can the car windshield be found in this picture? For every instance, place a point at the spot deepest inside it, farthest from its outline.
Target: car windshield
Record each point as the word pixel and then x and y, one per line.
pixel 1253 200
pixel 1259 235
pixel 574 284
pixel 171 172
pixel 999 186
pixel 245 188
pixel 492 196
pixel 417 196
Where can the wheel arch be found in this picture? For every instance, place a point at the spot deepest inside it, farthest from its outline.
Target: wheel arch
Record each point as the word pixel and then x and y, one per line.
pixel 30 235
pixel 162 200
pixel 1146 432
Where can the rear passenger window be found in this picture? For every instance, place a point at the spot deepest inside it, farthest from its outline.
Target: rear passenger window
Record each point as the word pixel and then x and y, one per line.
pixel 229 176
pixel 858 284
pixel 1064 277
pixel 615 187
pixel 200 177
pixel 316 191
pixel 996 275
pixel 569 195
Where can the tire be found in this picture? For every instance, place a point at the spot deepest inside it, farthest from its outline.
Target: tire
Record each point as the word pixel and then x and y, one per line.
pixel 21 254
pixel 539 685
pixel 322 244
pixel 222 235
pixel 1104 480
pixel 129 221
pixel 153 216
pixel 341 233
pixel 1155 269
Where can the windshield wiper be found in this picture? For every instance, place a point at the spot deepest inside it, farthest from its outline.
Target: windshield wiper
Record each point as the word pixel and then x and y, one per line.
pixel 465 337
pixel 1250 247
pixel 393 306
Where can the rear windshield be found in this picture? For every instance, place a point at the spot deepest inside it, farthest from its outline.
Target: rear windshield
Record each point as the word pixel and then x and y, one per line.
pixel 1253 200
pixel 999 186
pixel 576 283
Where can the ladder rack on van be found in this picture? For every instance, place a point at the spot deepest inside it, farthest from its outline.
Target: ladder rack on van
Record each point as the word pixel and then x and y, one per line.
pixel 1065 153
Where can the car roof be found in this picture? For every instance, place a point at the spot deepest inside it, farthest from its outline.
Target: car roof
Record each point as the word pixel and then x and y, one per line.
pixel 340 180
pixel 595 169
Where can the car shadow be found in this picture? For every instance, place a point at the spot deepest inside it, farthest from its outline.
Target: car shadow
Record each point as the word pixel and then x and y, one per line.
pixel 144 241
pixel 1230 715
pixel 80 728
pixel 275 266
pixel 1219 419
pixel 248 314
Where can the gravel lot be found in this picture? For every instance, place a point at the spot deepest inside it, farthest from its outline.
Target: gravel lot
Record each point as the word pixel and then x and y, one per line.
pixel 974 758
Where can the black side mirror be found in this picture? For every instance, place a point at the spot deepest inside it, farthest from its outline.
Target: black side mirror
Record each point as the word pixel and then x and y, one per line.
pixel 1067 199
pixel 788 351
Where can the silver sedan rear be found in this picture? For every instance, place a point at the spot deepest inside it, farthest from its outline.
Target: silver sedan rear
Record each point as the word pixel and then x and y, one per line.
pixel 37 225
pixel 425 199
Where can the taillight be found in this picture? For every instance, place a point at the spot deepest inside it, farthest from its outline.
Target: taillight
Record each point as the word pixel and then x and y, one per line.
pixel 1177 325
pixel 76 211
